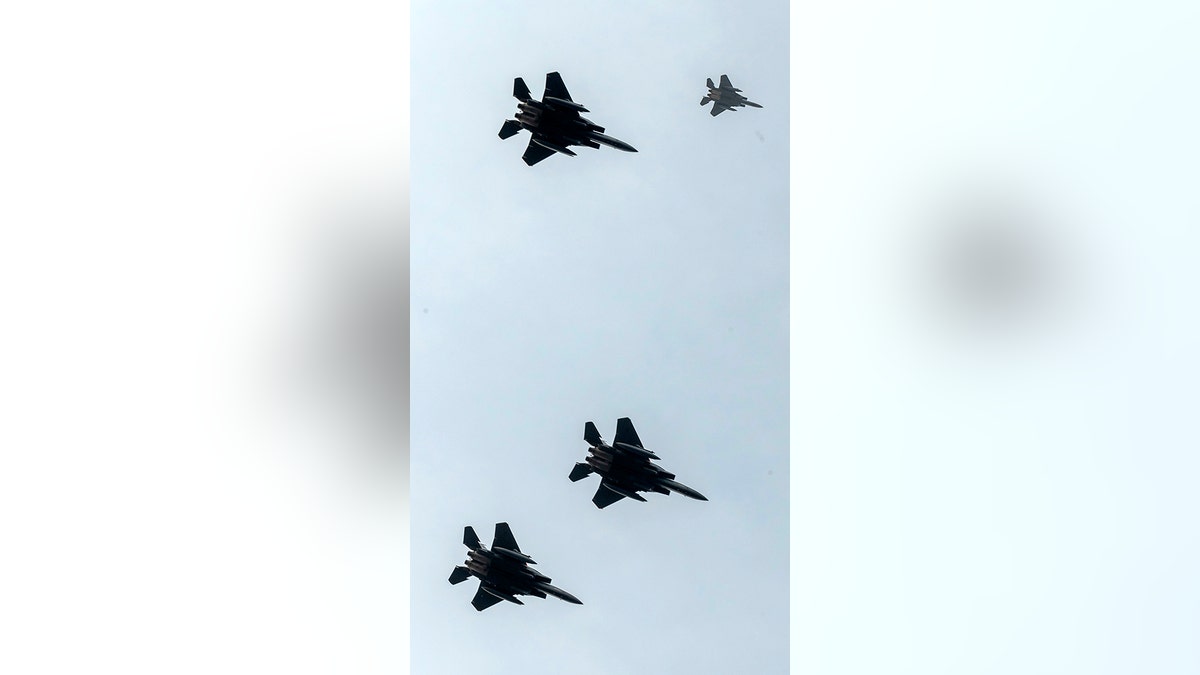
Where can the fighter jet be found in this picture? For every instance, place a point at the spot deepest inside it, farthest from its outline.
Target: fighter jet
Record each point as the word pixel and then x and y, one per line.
pixel 504 571
pixel 625 468
pixel 725 97
pixel 554 122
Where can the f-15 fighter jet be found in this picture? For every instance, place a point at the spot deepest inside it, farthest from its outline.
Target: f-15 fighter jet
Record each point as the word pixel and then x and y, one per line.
pixel 554 122
pixel 504 571
pixel 725 97
pixel 625 468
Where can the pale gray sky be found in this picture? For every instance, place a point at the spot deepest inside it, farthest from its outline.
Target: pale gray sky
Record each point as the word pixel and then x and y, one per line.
pixel 650 285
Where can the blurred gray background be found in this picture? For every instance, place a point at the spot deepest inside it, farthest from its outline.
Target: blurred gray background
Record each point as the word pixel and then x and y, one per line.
pixel 994 339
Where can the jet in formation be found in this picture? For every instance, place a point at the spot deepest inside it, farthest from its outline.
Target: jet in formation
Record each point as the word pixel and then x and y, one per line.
pixel 504 571
pixel 554 122
pixel 725 97
pixel 625 467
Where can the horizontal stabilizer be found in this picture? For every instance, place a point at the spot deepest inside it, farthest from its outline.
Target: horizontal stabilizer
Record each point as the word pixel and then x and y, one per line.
pixel 580 472
pixel 510 129
pixel 459 575
pixel 520 91
pixel 704 101
pixel 710 83
pixel 470 539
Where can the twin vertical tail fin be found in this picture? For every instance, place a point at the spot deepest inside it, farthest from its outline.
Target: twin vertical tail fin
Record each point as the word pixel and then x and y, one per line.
pixel 504 538
pixel 470 539
pixel 520 91
pixel 592 435
pixel 710 83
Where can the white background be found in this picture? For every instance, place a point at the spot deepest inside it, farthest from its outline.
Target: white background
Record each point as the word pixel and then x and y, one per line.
pixel 178 491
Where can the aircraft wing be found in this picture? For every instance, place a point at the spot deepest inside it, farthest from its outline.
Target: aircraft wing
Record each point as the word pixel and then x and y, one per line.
pixel 535 153
pixel 725 83
pixel 555 87
pixel 717 109
pixel 626 433
pixel 483 599
pixel 604 496
pixel 504 538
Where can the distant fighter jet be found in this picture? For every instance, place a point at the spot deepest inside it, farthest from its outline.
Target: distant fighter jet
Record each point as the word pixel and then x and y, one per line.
pixel 625 468
pixel 504 572
pixel 725 97
pixel 554 122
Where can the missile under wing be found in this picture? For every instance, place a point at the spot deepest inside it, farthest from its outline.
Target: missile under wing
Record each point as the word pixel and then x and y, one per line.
pixel 554 123
pixel 626 467
pixel 504 571
pixel 725 97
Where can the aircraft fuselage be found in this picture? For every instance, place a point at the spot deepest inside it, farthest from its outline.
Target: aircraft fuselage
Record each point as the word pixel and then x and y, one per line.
pixel 503 573
pixel 625 467
pixel 555 122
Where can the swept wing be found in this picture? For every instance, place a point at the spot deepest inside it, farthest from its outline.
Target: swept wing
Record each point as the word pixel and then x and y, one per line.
pixel 483 599
pixel 605 496
pixel 535 153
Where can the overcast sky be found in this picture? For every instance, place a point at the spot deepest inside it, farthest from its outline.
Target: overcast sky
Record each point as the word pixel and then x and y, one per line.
pixel 649 285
